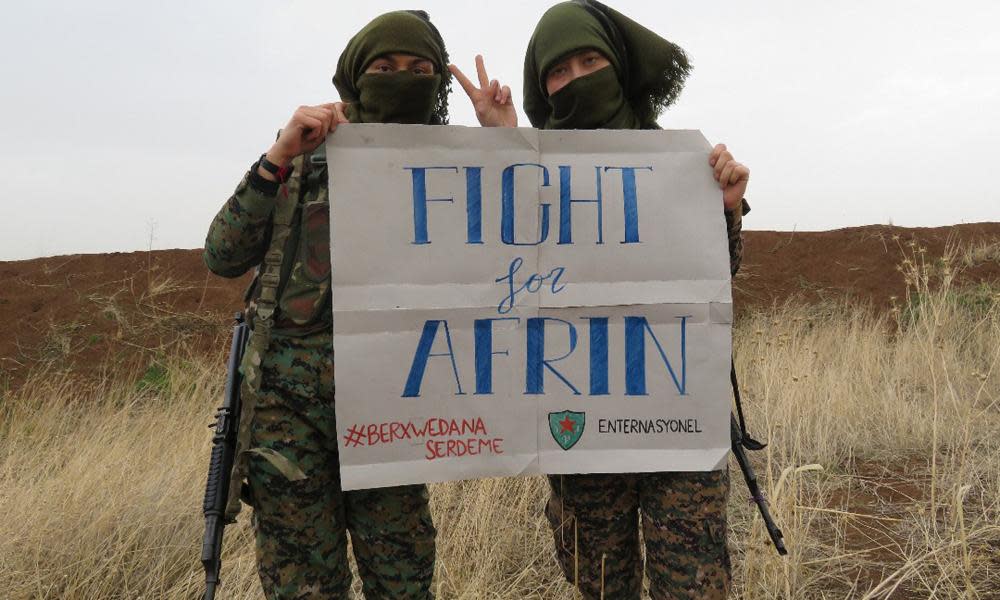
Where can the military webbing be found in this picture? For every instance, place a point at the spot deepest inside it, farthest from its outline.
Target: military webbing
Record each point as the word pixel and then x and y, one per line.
pixel 263 323
pixel 270 276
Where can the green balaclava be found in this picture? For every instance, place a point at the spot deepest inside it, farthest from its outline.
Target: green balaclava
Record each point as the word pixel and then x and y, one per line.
pixel 646 75
pixel 395 97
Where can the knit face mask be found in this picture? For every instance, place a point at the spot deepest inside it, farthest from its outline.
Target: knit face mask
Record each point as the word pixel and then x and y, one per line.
pixel 402 97
pixel 594 101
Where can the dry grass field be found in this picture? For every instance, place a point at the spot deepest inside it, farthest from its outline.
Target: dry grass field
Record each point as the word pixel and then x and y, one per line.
pixel 883 468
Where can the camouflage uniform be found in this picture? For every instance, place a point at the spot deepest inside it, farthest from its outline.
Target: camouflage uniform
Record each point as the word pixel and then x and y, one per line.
pixel 596 521
pixel 301 525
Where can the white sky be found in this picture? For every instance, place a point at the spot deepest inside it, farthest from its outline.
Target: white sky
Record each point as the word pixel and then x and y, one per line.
pixel 126 124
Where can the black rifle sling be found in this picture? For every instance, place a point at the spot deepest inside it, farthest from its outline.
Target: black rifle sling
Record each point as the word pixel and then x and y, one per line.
pixel 745 440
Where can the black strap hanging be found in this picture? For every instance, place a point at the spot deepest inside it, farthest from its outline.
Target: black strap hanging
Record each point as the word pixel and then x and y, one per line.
pixel 740 440
pixel 748 442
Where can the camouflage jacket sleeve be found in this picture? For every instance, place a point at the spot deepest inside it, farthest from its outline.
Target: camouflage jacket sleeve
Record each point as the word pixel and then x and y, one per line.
pixel 734 229
pixel 241 231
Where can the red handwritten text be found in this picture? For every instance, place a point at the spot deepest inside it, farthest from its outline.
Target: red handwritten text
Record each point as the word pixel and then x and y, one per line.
pixel 373 434
pixel 463 447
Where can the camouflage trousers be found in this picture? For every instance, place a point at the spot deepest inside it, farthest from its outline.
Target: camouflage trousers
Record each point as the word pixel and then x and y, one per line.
pixel 301 526
pixel 596 520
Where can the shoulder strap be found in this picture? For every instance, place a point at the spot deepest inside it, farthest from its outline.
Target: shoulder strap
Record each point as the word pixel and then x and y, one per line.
pixel 263 324
pixel 270 275
pixel 745 440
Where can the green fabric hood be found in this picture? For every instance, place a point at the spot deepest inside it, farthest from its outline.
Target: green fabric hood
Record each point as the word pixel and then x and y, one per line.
pixel 650 70
pixel 405 32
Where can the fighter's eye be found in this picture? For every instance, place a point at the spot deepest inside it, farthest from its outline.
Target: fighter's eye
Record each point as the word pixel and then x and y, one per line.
pixel 381 66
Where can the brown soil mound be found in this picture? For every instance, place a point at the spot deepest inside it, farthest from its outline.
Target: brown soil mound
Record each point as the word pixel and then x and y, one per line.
pixel 859 263
pixel 76 311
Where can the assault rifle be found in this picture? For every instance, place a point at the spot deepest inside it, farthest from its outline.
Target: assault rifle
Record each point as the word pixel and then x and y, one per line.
pixel 220 465
pixel 741 439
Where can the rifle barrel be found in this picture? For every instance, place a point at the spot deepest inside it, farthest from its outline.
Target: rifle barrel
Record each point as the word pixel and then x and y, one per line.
pixel 221 462
pixel 777 538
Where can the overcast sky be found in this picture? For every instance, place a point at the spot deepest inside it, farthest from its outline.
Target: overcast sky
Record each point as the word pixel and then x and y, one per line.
pixel 126 124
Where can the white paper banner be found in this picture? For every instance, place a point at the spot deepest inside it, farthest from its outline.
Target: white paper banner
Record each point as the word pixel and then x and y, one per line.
pixel 514 301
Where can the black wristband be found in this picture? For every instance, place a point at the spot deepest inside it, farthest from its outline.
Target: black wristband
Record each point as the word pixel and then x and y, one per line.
pixel 281 173
pixel 259 183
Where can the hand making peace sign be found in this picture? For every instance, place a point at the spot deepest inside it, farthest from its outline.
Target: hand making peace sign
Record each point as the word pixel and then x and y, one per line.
pixel 494 107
